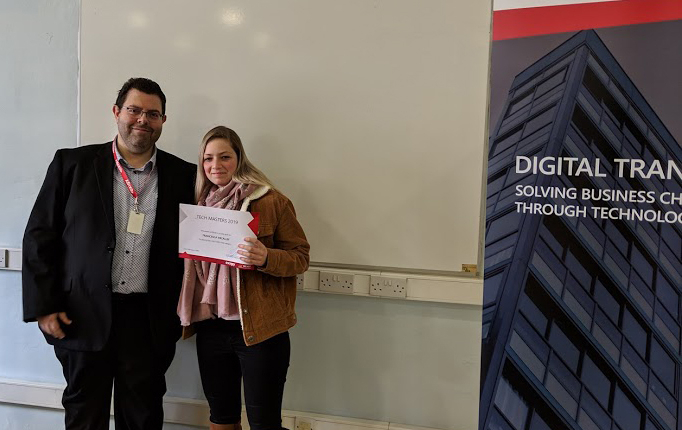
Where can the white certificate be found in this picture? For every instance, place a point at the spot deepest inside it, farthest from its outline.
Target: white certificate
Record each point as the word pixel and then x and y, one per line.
pixel 212 234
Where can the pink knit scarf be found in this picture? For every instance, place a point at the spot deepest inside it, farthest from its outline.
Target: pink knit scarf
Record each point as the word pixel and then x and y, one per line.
pixel 215 293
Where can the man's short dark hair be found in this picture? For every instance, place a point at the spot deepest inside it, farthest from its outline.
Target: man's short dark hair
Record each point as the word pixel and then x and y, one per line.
pixel 144 85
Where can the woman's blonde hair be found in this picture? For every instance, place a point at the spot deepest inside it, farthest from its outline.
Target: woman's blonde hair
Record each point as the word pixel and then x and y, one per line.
pixel 246 172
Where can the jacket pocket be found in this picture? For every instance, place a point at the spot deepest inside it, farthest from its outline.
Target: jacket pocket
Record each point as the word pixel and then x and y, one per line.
pixel 68 285
pixel 266 233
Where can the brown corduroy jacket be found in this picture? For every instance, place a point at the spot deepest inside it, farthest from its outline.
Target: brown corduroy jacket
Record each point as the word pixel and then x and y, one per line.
pixel 267 296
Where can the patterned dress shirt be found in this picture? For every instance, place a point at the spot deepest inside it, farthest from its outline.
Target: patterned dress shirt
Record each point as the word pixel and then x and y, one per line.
pixel 130 268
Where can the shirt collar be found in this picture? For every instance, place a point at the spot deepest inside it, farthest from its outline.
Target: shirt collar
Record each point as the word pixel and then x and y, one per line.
pixel 151 163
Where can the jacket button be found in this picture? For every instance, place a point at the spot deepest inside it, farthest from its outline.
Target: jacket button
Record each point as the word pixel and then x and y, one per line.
pixel 110 248
pixel 246 311
pixel 107 286
pixel 250 339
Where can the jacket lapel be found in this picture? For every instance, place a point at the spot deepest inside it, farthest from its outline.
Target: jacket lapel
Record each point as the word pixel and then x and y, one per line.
pixel 104 171
pixel 164 211
pixel 164 202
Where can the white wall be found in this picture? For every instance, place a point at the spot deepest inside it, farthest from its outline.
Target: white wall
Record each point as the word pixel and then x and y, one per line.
pixel 38 81
pixel 406 362
pixel 415 363
pixel 39 84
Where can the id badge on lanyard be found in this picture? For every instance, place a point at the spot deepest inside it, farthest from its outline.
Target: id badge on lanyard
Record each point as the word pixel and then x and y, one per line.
pixel 135 217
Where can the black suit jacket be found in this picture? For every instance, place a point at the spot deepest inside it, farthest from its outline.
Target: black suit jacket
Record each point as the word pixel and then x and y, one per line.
pixel 70 238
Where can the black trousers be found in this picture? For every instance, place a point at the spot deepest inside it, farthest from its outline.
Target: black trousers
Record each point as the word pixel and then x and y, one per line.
pixel 128 363
pixel 224 359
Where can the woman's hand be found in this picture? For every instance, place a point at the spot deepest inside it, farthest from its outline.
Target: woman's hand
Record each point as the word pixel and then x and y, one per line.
pixel 254 252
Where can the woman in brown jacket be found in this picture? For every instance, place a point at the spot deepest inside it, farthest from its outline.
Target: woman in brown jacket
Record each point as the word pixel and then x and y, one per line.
pixel 242 316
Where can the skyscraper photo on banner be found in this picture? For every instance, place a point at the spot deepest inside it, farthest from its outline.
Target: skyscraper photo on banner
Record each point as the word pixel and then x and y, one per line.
pixel 583 246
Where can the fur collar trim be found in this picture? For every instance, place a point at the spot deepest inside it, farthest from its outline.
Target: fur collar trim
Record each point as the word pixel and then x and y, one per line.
pixel 257 194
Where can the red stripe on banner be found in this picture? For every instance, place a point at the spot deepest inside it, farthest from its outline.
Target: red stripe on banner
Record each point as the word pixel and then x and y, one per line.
pixel 515 23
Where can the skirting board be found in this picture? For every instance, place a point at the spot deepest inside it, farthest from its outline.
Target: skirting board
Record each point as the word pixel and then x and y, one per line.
pixel 190 411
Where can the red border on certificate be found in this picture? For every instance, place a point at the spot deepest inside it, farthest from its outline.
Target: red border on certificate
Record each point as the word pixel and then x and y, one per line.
pixel 217 261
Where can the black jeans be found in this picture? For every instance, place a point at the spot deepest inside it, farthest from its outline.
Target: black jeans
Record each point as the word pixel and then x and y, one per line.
pixel 224 359
pixel 129 363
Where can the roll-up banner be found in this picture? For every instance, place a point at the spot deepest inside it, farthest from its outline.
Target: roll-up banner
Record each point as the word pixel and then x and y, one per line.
pixel 583 246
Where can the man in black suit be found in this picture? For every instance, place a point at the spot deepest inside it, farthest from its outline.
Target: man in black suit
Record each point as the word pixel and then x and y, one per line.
pixel 101 272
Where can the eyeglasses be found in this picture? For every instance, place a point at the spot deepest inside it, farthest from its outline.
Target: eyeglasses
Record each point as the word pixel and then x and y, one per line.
pixel 136 112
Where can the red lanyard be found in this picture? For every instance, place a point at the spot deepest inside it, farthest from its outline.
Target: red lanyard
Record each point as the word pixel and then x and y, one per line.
pixel 126 180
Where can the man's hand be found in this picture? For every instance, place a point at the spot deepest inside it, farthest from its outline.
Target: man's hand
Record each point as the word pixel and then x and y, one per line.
pixel 50 324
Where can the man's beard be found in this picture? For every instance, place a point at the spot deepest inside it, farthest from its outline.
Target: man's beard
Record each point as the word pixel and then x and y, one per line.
pixel 139 143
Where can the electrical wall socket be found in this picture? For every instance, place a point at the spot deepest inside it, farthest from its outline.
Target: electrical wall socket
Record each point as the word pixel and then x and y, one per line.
pixel 299 281
pixel 334 282
pixel 3 258
pixel 388 286
pixel 304 423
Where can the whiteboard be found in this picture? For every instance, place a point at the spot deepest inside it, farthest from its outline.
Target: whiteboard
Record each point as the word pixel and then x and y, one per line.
pixel 368 114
